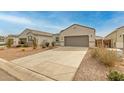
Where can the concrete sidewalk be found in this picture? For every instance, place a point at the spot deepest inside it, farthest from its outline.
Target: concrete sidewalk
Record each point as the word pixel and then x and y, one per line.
pixel 10 71
pixel 4 76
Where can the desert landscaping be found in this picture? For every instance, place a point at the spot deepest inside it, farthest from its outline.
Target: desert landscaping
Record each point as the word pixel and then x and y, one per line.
pixel 97 64
pixel 101 64
pixel 14 53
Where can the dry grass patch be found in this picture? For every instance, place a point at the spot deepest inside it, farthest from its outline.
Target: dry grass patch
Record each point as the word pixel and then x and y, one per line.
pixel 14 53
pixel 23 49
pixel 105 56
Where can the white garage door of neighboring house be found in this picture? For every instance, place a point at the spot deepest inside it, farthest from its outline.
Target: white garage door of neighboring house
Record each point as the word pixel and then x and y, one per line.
pixel 80 41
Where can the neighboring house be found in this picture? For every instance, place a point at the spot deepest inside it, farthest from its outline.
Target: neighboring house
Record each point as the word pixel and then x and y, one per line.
pixel 28 35
pixel 2 40
pixel 14 39
pixel 117 38
pixel 78 35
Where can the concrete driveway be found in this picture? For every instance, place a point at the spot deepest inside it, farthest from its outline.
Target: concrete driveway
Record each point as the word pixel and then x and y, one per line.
pixel 57 64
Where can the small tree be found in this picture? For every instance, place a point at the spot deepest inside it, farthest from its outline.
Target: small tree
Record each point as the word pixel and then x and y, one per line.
pixel 53 44
pixel 47 44
pixel 9 43
pixel 34 43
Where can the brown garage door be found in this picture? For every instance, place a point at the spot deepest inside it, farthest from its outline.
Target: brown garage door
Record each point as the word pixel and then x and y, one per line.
pixel 81 41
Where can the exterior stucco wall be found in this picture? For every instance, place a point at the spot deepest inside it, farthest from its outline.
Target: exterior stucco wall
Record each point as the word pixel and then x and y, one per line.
pixel 119 45
pixel 78 31
pixel 39 38
pixel 44 38
pixel 15 42
pixel 113 39
pixel 54 39
pixel 117 37
pixel 120 33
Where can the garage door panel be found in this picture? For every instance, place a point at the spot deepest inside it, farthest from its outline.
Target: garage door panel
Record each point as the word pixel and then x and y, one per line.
pixel 81 41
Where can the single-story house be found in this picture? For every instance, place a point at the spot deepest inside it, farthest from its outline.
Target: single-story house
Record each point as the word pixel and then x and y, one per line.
pixel 117 38
pixel 28 35
pixel 2 40
pixel 77 35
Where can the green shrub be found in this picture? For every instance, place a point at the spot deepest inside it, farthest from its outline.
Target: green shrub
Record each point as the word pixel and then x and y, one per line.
pixel 115 76
pixel 9 43
pixel 53 44
pixel 47 44
pixel 23 49
pixel 105 56
pixel 34 42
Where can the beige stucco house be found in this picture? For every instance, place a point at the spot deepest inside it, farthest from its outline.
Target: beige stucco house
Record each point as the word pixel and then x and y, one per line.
pixel 28 35
pixel 77 35
pixel 117 38
pixel 2 40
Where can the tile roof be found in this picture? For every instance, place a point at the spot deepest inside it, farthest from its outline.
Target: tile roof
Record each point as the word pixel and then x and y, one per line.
pixel 36 32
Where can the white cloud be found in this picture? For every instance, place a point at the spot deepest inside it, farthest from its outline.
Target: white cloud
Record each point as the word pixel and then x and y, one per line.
pixel 41 24
pixel 15 19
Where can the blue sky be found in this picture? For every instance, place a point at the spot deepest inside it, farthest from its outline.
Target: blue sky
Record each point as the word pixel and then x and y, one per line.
pixel 54 22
